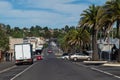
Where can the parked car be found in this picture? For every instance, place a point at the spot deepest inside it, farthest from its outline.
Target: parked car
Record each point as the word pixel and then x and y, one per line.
pixel 80 56
pixel 65 56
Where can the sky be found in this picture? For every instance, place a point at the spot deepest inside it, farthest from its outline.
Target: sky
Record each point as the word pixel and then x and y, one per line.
pixel 50 13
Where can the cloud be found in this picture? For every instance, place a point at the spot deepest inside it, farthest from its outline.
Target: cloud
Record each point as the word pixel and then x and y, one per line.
pixel 56 5
pixel 52 13
pixel 5 5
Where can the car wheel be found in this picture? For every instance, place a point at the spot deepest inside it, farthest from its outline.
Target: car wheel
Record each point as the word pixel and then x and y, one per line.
pixel 65 58
pixel 75 59
pixel 88 58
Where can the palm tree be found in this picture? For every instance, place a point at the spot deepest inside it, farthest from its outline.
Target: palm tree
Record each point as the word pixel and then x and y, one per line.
pixel 105 21
pixel 63 44
pixel 67 39
pixel 79 37
pixel 113 8
pixel 76 38
pixel 90 19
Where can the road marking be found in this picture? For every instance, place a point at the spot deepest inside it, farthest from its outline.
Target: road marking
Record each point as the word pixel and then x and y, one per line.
pixel 105 72
pixel 22 72
pixel 7 69
pixel 95 69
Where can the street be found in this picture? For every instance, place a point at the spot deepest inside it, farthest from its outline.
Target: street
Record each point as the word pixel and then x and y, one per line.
pixel 55 69
pixel 52 68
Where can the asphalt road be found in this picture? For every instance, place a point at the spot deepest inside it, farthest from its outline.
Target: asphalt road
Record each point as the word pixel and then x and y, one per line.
pixel 110 69
pixel 57 69
pixel 5 65
pixel 8 73
pixel 51 68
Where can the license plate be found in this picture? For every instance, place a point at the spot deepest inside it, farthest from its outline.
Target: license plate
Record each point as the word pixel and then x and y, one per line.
pixel 25 60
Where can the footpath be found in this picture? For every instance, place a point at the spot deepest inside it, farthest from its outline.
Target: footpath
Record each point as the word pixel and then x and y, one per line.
pixel 103 63
pixel 112 64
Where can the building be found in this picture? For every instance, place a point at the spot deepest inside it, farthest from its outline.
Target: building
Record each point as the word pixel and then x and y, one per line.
pixel 37 42
pixel 33 41
pixel 13 41
pixel 106 47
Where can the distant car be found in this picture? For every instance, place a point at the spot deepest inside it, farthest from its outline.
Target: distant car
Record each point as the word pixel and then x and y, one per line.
pixel 65 56
pixel 39 57
pixel 80 56
pixel 49 51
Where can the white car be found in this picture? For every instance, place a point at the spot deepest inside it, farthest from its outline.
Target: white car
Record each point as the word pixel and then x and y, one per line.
pixel 80 56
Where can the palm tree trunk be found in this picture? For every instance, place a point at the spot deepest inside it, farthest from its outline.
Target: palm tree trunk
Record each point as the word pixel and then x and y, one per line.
pixel 95 56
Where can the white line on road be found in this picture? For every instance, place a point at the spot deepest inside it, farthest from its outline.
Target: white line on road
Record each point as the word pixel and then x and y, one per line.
pixel 7 69
pixel 99 70
pixel 105 72
pixel 22 72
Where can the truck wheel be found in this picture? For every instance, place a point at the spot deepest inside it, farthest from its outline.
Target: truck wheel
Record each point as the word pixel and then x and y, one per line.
pixel 17 64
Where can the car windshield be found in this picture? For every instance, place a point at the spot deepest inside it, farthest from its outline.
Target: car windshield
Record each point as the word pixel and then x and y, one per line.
pixel 65 54
pixel 78 53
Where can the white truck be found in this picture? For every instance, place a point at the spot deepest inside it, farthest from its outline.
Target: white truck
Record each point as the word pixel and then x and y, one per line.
pixel 23 53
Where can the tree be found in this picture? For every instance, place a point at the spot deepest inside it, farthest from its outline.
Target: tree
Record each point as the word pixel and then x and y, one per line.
pixel 62 42
pixel 105 21
pixel 89 19
pixel 47 34
pixel 16 32
pixel 79 37
pixel 69 47
pixel 56 33
pixel 66 28
pixel 4 40
pixel 45 28
pixel 76 38
pixel 72 27
pixel 113 9
pixel 8 29
pixel 38 27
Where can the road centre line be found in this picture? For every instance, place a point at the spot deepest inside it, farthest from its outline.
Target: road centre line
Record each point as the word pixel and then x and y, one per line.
pixel 22 72
pixel 7 69
pixel 95 69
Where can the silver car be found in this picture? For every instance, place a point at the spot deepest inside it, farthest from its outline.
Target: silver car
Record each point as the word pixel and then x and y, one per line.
pixel 80 56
